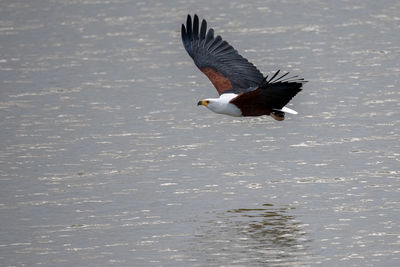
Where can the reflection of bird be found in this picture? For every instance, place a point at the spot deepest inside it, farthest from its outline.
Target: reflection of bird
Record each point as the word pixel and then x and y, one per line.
pixel 275 224
pixel 242 88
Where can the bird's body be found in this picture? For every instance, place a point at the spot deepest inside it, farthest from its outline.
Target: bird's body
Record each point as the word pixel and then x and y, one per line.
pixel 242 89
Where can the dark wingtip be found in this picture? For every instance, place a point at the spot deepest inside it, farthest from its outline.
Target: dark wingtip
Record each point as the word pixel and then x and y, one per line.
pixel 183 34
pixel 183 30
pixel 276 73
pixel 203 29
pixel 189 26
pixel 282 79
pixel 196 27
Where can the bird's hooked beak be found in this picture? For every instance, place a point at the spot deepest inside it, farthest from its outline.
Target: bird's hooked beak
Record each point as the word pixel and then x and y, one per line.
pixel 203 103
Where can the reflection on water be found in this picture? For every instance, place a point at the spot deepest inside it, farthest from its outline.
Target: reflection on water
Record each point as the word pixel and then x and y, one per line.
pixel 274 225
pixel 266 235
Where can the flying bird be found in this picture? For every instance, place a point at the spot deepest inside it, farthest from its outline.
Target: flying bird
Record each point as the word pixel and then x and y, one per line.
pixel 243 90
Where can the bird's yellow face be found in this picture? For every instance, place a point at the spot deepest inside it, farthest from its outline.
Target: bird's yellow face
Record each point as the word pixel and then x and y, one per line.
pixel 203 103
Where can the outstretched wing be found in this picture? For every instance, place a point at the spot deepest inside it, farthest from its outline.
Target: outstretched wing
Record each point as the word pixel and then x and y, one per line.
pixel 274 93
pixel 220 62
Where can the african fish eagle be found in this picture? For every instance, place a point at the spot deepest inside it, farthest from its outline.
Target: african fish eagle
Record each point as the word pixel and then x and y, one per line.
pixel 242 88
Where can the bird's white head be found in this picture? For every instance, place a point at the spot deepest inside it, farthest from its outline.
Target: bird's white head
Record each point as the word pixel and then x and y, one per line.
pixel 220 105
pixel 212 103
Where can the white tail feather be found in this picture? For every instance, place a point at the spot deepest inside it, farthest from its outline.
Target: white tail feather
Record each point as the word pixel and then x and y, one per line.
pixel 287 110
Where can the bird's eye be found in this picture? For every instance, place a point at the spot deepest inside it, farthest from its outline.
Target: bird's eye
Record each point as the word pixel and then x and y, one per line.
pixel 208 102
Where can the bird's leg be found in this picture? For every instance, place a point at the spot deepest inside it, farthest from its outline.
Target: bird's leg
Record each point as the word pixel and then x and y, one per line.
pixel 278 115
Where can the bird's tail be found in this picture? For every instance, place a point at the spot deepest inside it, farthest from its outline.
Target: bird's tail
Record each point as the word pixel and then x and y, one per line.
pixel 287 110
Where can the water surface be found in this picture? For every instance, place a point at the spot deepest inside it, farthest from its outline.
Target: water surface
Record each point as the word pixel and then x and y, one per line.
pixel 105 159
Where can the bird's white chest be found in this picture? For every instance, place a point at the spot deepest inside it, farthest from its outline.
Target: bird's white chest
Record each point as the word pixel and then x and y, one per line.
pixel 227 109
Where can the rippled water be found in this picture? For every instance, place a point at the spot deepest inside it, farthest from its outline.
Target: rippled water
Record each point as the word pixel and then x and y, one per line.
pixel 105 159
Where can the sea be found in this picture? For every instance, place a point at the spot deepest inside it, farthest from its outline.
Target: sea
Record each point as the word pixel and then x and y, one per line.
pixel 106 159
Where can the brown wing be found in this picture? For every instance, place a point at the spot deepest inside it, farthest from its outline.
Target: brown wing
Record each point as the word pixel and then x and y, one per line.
pixel 220 62
pixel 220 82
pixel 250 104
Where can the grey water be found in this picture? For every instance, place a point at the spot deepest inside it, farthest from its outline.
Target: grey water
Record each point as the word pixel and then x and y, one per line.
pixel 105 159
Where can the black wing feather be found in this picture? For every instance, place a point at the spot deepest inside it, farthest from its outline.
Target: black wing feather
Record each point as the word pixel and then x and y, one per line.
pixel 277 93
pixel 212 52
pixel 189 27
pixel 203 29
pixel 196 28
